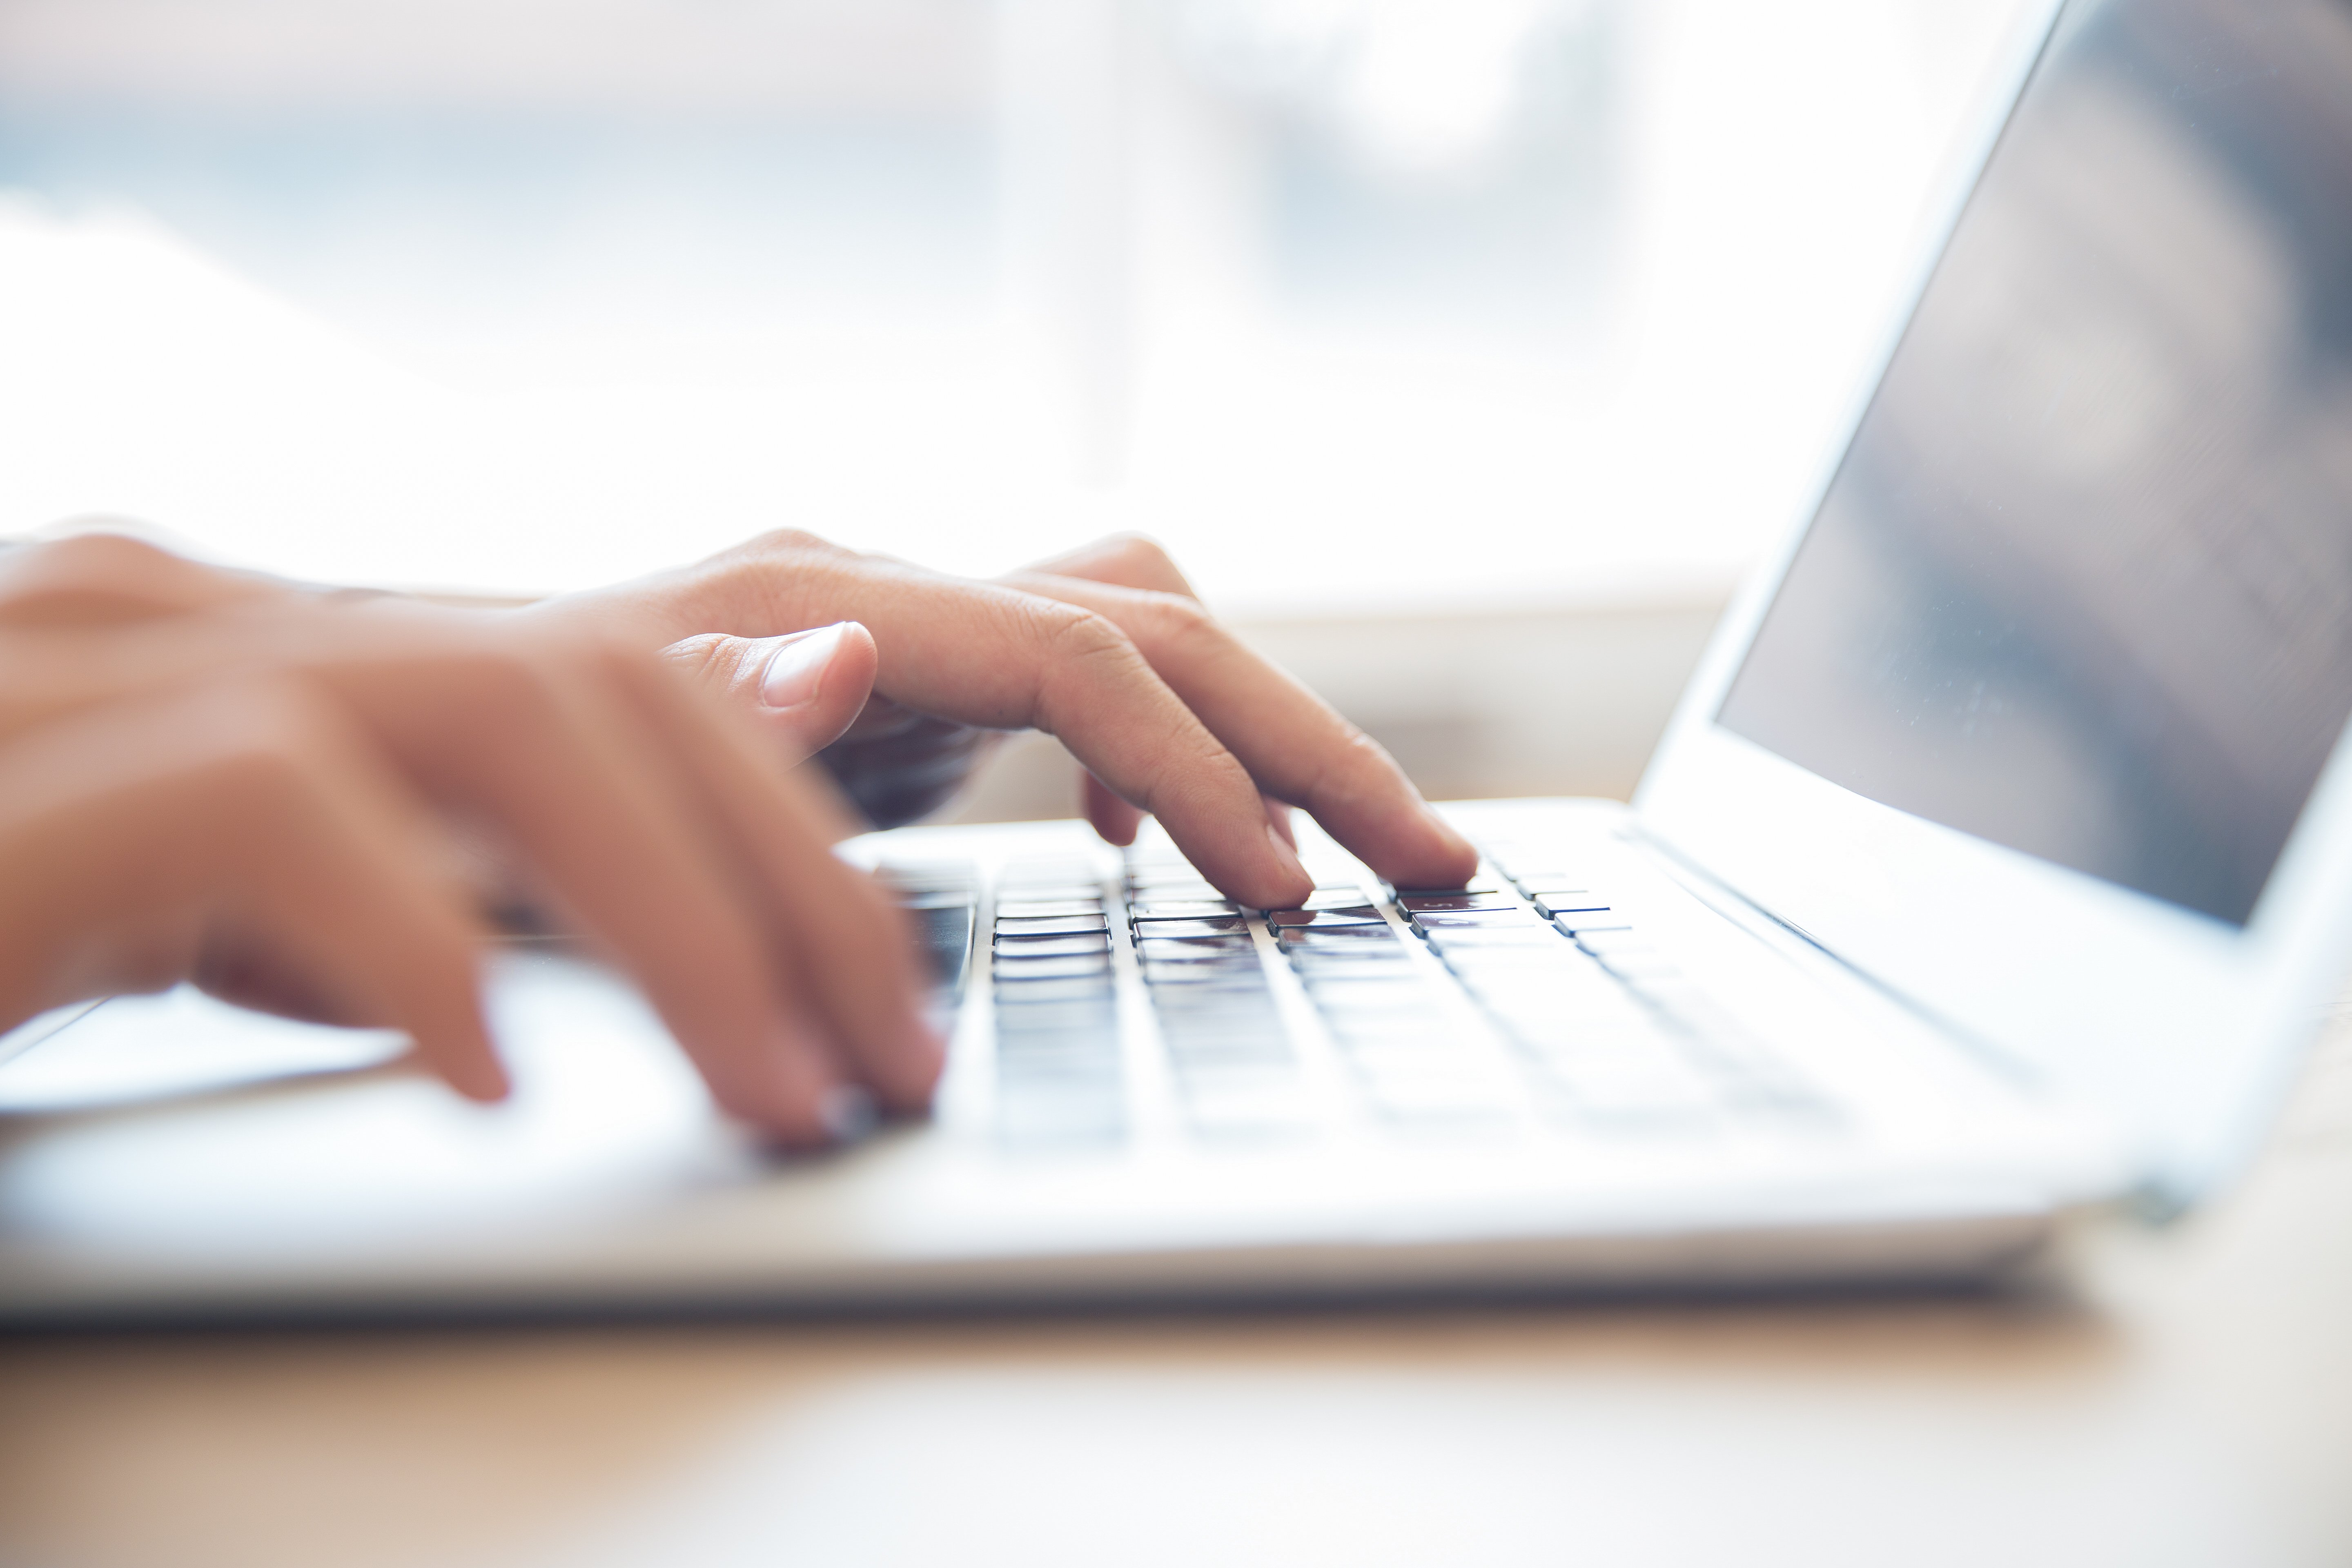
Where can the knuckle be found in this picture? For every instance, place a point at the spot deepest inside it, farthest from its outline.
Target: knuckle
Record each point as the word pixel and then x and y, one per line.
pixel 1184 626
pixel 1143 548
pixel 1079 654
pixel 711 655
pixel 793 541
pixel 104 557
pixel 91 576
pixel 1074 636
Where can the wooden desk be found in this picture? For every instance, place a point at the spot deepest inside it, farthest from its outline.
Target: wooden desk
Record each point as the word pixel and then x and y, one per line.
pixel 2188 1400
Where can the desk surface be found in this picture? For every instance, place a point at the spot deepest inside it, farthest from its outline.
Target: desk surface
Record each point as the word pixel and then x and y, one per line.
pixel 2187 1398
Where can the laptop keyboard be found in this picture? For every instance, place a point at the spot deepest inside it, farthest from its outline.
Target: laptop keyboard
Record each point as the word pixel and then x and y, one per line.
pixel 1544 1009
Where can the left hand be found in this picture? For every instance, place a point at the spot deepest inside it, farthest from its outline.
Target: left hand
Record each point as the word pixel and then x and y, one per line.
pixel 1107 647
pixel 288 799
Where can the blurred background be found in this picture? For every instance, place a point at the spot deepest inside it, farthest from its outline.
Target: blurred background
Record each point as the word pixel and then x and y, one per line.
pixel 1464 351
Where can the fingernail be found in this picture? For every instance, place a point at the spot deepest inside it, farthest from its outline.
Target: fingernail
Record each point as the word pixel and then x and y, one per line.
pixel 847 1112
pixel 795 671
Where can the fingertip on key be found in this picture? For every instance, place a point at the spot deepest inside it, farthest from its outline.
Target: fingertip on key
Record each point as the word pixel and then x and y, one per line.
pixel 1296 883
pixel 1462 855
pixel 478 1075
pixel 1423 850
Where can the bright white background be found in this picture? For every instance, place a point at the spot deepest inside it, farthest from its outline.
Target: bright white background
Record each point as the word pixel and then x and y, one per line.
pixel 1464 349
pixel 1359 303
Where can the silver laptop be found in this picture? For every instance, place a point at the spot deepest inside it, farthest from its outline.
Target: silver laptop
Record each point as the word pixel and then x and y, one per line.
pixel 1997 864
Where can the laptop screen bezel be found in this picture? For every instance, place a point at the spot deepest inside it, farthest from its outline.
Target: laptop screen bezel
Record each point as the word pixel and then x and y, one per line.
pixel 2182 1030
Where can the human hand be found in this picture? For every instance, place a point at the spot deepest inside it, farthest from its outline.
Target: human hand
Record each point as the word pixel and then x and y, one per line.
pixel 1109 649
pixel 813 692
pixel 206 776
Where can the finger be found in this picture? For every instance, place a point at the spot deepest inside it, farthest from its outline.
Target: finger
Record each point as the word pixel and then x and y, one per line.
pixel 1112 817
pixel 241 968
pixel 258 807
pixel 1012 661
pixel 985 655
pixel 1128 560
pixel 805 689
pixel 1293 742
pixel 849 946
pixel 1278 816
pixel 530 737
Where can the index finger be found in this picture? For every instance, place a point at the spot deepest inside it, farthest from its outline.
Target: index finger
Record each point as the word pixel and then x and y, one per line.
pixel 1295 745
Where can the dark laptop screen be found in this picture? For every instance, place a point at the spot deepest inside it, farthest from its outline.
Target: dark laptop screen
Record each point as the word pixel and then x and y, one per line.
pixel 2083 584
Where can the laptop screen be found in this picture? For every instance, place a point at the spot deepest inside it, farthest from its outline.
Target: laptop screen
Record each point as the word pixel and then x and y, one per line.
pixel 2083 583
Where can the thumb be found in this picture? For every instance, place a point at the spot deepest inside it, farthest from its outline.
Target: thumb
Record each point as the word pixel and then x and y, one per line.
pixel 803 688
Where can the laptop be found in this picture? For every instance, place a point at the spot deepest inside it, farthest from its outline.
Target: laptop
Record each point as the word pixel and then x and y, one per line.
pixel 1996 868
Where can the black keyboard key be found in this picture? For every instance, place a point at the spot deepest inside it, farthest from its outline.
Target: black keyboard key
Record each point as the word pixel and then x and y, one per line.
pixel 1072 988
pixel 1053 946
pixel 1578 924
pixel 1583 900
pixel 1323 919
pixel 1435 903
pixel 1313 937
pixel 1216 925
pixel 1168 874
pixel 1182 910
pixel 1495 915
pixel 1014 970
pixel 1045 909
pixel 1087 893
pixel 925 876
pixel 1059 925
pixel 1045 870
pixel 1336 897
pixel 1171 937
pixel 1481 883
pixel 1528 934
pixel 1168 980
pixel 943 935
pixel 1226 972
pixel 1363 958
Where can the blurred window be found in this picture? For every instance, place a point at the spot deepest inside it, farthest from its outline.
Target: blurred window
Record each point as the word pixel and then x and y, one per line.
pixel 1357 303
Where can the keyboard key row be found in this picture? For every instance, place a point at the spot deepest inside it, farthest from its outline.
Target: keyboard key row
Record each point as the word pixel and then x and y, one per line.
pixel 1154 909
pixel 942 899
pixel 1230 1055
pixel 1060 1076
pixel 1560 975
pixel 1390 1024
pixel 1326 919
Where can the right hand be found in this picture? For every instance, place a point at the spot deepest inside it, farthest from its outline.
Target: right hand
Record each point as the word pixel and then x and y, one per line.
pixel 204 776
pixel 1107 648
